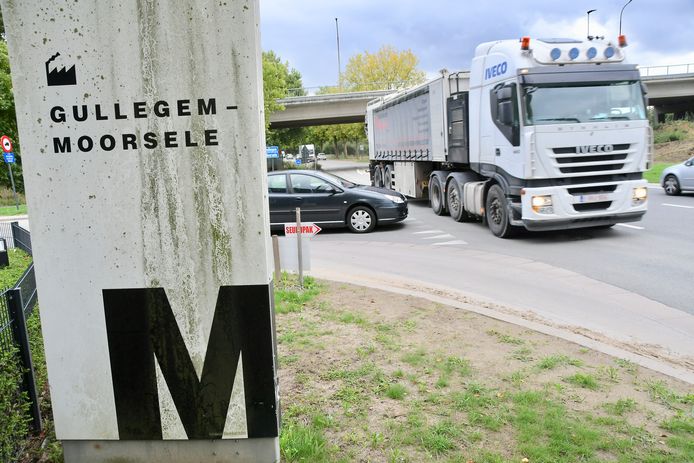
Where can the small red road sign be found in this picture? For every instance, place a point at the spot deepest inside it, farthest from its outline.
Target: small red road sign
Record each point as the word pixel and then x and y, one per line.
pixel 307 228
pixel 6 144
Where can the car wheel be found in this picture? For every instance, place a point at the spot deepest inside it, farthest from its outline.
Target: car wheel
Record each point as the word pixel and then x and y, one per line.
pixel 388 177
pixel 361 219
pixel 454 200
pixel 378 177
pixel 671 186
pixel 496 213
pixel 436 196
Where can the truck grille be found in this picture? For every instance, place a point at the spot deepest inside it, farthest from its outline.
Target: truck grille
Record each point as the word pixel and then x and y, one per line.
pixel 568 161
pixel 601 206
pixel 592 198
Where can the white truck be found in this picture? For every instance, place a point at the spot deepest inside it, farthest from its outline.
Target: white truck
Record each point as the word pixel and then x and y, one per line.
pixel 545 134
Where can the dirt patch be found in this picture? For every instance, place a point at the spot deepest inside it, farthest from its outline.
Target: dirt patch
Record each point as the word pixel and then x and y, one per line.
pixel 674 152
pixel 392 377
pixel 680 148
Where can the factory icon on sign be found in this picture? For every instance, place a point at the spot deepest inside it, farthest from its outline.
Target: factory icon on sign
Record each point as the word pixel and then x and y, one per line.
pixel 59 75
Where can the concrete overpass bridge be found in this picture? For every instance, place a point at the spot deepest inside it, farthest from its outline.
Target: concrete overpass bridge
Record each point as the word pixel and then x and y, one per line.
pixel 670 90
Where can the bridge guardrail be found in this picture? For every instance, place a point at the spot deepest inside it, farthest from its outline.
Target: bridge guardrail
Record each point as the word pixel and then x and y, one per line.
pixel 667 70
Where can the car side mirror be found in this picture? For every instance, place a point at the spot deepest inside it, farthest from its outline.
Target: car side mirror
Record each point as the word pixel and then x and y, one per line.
pixel 689 163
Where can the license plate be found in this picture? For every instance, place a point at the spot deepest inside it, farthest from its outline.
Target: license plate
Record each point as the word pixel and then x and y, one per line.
pixel 593 198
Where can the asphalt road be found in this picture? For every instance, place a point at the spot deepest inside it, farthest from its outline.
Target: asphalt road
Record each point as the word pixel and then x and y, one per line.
pixel 653 258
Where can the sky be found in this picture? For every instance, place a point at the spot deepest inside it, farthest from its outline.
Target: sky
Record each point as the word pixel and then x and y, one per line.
pixel 444 33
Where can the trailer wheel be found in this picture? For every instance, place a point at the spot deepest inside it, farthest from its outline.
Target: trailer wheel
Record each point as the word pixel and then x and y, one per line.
pixel 436 196
pixel 454 196
pixel 496 213
pixel 378 177
pixel 388 177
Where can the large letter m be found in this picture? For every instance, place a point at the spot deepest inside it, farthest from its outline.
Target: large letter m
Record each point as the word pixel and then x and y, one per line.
pixel 141 326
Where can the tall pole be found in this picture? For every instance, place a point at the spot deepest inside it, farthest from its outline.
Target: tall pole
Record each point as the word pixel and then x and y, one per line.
pixel 14 190
pixel 339 65
pixel 620 16
pixel 590 37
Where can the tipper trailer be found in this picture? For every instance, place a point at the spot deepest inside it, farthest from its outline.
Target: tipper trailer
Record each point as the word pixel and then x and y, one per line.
pixel 545 134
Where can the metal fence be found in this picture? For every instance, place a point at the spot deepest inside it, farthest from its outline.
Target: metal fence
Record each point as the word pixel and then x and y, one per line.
pixel 16 305
pixel 6 337
pixel 6 232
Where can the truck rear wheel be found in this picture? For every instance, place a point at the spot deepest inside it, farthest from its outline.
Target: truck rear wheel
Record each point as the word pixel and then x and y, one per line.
pixel 388 176
pixel 496 213
pixel 436 196
pixel 378 177
pixel 454 196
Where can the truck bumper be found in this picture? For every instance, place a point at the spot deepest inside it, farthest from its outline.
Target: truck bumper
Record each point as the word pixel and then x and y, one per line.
pixel 589 205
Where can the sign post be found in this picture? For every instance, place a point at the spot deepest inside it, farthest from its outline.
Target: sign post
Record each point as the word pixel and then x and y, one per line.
pixel 143 138
pixel 272 153
pixel 8 155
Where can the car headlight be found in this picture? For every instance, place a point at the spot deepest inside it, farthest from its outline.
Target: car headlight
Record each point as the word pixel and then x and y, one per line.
pixel 640 195
pixel 395 199
pixel 542 204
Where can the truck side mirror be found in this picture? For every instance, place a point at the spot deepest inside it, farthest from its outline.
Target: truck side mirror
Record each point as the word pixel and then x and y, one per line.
pixel 506 112
pixel 504 93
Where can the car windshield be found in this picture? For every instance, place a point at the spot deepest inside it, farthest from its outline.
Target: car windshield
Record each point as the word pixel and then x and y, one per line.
pixel 339 180
pixel 583 102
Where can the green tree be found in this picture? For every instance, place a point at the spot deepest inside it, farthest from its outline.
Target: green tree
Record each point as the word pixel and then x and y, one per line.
pixel 386 69
pixel 338 136
pixel 275 76
pixel 8 120
pixel 280 81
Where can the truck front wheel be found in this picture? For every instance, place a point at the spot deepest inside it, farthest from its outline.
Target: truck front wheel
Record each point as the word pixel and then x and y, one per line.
pixel 436 196
pixel 496 213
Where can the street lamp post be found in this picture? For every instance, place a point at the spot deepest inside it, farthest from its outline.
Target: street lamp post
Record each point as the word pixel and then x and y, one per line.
pixel 620 16
pixel 590 37
pixel 339 66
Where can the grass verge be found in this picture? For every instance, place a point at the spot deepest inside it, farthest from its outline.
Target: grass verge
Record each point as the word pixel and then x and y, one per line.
pixel 653 175
pixel 373 376
pixel 13 210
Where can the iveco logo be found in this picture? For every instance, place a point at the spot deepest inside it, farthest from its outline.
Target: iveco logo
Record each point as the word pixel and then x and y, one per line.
pixel 594 149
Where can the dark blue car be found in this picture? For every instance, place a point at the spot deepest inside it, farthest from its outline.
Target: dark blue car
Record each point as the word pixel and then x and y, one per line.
pixel 331 201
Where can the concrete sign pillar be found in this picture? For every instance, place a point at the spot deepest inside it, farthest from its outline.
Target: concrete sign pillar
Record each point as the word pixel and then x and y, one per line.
pixel 144 163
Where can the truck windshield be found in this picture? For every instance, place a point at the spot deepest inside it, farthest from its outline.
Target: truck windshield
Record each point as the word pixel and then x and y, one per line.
pixel 583 102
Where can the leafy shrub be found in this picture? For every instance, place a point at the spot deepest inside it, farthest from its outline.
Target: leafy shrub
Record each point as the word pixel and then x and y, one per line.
pixel 14 406
pixel 667 136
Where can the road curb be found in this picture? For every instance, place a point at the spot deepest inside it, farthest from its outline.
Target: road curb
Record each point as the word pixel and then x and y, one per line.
pixel 432 293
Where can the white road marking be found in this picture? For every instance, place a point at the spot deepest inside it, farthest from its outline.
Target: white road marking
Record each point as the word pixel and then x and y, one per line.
pixel 449 242
pixel 631 226
pixel 678 205
pixel 437 237
pixel 427 232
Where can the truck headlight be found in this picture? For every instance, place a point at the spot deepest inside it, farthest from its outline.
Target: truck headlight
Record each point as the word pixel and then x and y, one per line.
pixel 395 199
pixel 542 204
pixel 639 196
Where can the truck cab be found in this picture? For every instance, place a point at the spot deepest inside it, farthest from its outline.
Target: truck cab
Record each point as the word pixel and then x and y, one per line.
pixel 561 126
pixel 540 134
